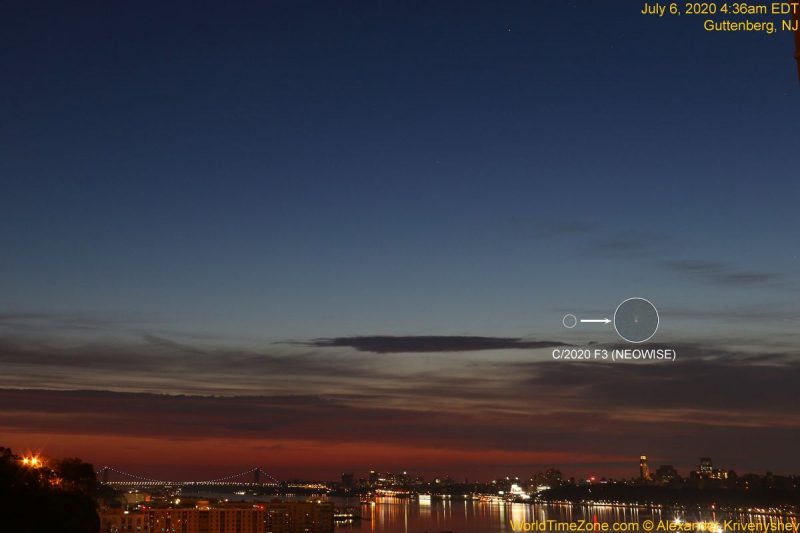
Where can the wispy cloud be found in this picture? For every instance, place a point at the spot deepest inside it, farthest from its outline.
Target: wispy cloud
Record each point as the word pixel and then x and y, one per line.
pixel 661 252
pixel 60 321
pixel 721 273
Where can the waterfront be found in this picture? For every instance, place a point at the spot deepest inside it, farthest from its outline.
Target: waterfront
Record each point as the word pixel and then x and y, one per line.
pixel 395 515
pixel 398 515
pixel 458 514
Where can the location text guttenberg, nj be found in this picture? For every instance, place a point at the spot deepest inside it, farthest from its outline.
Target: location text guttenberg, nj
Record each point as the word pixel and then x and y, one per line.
pixel 767 17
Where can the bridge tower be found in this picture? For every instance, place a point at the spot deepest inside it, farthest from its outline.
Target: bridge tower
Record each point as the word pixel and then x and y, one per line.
pixel 257 476
pixel 105 475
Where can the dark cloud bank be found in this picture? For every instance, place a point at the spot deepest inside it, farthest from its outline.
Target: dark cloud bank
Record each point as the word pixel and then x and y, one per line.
pixel 430 343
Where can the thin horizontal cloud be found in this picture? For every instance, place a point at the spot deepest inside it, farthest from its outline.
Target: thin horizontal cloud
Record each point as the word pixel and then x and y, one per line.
pixel 156 364
pixel 561 228
pixel 721 273
pixel 632 245
pixel 64 321
pixel 658 251
pixel 772 313
pixel 430 343
pixel 163 342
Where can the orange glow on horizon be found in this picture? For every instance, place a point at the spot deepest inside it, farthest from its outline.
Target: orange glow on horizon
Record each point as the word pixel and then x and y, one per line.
pixel 285 458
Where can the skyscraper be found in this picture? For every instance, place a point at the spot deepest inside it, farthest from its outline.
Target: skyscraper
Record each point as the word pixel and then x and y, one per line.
pixel 706 467
pixel 644 470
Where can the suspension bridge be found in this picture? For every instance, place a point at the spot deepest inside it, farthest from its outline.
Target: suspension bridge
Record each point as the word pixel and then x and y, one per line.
pixel 254 477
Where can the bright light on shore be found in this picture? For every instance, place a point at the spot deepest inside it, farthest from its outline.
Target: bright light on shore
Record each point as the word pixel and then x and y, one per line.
pixel 32 461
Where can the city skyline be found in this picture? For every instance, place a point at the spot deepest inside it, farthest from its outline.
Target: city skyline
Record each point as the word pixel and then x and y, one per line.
pixel 704 469
pixel 664 474
pixel 342 237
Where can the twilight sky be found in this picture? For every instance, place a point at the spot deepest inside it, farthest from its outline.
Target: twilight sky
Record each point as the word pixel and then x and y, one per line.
pixel 234 230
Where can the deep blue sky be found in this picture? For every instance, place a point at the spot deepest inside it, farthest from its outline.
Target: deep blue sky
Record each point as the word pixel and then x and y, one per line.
pixel 300 169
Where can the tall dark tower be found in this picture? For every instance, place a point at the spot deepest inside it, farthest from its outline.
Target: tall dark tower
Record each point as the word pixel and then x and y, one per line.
pixel 644 470
pixel 105 475
pixel 257 476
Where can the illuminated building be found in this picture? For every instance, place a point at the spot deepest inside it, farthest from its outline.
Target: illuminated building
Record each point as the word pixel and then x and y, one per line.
pixel 273 517
pixel 391 479
pixel 119 521
pixel 644 470
pixel 299 517
pixel 706 470
pixel 373 477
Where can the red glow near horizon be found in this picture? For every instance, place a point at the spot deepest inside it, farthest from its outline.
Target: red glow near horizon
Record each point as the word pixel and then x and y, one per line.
pixel 207 458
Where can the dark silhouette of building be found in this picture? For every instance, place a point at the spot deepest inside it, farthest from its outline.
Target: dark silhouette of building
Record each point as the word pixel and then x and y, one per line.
pixel 666 475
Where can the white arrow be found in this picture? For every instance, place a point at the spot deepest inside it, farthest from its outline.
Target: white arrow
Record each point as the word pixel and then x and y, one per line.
pixel 595 320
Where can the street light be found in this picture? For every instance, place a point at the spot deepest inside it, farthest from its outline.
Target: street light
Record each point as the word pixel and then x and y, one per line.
pixel 32 461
